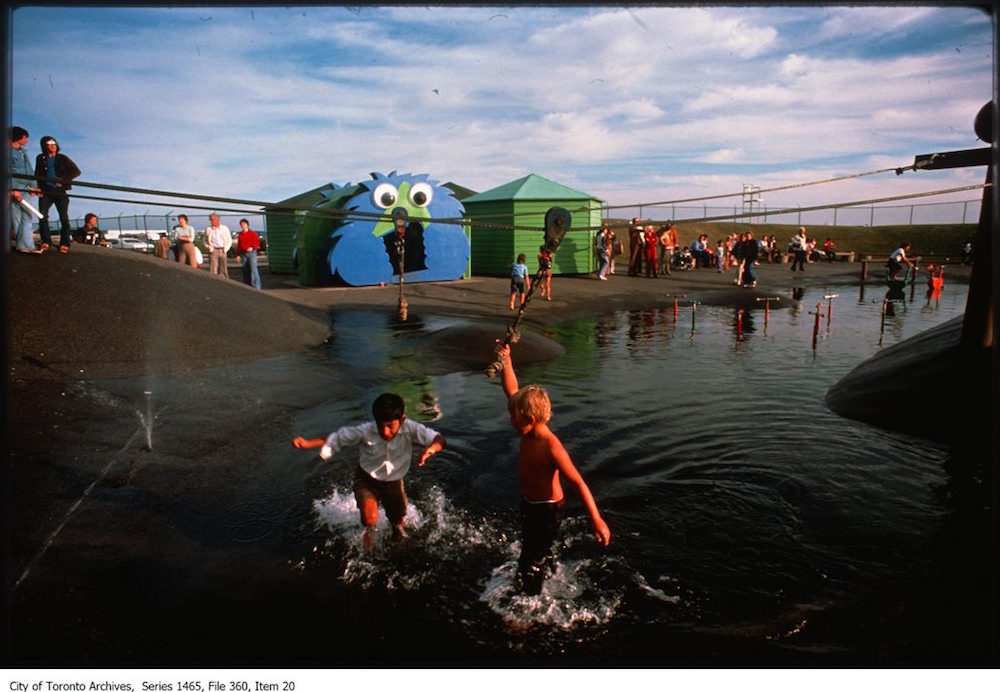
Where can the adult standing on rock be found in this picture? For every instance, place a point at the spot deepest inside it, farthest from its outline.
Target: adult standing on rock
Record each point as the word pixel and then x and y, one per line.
pixel 218 239
pixel 248 245
pixel 20 187
pixel 184 247
pixel 54 171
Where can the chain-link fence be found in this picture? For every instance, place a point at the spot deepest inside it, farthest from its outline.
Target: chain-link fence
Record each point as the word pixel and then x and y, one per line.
pixel 875 215
pixel 139 224
pixel 141 231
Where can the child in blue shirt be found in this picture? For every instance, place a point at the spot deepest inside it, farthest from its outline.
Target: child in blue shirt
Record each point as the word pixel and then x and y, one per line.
pixel 520 282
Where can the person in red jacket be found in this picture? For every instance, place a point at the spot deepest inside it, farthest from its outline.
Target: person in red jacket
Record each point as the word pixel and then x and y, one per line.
pixel 652 242
pixel 247 247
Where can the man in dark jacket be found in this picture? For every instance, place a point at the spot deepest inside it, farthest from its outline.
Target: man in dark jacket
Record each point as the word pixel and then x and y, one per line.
pixel 54 171
pixel 749 250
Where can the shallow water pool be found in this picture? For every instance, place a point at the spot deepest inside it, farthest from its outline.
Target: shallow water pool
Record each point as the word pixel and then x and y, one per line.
pixel 749 522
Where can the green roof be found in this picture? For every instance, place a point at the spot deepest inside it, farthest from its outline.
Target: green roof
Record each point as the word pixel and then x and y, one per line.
pixel 304 199
pixel 459 192
pixel 530 187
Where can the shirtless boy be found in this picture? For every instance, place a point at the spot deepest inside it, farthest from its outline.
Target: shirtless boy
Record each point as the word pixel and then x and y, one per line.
pixel 542 462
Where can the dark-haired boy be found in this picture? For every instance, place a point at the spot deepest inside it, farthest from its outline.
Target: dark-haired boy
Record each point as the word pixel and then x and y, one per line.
pixel 385 453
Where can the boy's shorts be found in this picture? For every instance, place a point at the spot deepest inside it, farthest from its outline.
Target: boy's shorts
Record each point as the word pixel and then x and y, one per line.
pixel 517 284
pixel 539 526
pixel 389 493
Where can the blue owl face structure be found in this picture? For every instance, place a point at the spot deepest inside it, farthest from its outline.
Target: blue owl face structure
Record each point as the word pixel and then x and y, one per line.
pixel 367 251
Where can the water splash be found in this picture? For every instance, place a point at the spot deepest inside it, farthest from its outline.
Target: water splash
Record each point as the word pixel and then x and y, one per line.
pixel 84 390
pixel 568 599
pixel 439 535
pixel 146 420
pixel 653 592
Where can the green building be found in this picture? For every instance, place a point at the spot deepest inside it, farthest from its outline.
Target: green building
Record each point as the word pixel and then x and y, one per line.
pixel 298 230
pixel 284 221
pixel 510 219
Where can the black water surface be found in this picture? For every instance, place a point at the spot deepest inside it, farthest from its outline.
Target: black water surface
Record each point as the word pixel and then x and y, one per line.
pixel 751 526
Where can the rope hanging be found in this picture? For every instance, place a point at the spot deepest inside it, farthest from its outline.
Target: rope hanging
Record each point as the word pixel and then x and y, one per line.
pixel 557 223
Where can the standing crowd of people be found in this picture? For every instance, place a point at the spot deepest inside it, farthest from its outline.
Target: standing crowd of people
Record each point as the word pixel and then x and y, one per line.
pixel 654 252
pixel 179 245
pixel 50 179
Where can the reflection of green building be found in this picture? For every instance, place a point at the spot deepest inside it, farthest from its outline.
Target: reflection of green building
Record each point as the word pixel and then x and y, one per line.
pixel 523 203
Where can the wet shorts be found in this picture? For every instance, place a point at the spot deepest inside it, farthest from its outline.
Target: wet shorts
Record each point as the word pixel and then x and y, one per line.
pixel 389 493
pixel 539 525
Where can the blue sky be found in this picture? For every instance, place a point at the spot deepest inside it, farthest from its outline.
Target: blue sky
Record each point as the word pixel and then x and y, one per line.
pixel 631 105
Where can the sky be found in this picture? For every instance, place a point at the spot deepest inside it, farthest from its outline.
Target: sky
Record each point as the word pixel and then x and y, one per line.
pixel 630 105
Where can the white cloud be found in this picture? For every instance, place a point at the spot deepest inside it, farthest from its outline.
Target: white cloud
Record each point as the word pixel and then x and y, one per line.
pixel 669 101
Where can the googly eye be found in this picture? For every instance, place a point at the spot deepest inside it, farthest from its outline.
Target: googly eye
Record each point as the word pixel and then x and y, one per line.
pixel 385 195
pixel 421 194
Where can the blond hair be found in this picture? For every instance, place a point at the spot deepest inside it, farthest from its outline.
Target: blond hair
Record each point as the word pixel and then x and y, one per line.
pixel 531 401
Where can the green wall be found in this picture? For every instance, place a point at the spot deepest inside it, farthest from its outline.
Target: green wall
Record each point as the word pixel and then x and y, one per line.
pixel 280 243
pixel 493 249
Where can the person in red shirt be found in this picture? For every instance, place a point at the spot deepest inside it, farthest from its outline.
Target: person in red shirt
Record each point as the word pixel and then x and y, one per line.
pixel 247 247
pixel 652 241
pixel 829 249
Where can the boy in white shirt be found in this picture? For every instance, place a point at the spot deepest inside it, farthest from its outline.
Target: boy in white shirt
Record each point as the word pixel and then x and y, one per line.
pixel 384 456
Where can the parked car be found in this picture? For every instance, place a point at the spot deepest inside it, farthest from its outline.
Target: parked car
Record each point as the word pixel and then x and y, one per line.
pixel 131 243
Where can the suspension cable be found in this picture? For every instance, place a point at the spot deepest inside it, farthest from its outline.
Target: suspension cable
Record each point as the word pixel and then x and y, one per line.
pixel 279 209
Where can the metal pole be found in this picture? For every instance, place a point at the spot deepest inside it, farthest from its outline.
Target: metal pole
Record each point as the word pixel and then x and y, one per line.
pixel 829 310
pixel 818 313
pixel 881 331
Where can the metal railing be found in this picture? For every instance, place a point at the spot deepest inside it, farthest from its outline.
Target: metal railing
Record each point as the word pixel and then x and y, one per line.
pixel 961 212
pixel 157 223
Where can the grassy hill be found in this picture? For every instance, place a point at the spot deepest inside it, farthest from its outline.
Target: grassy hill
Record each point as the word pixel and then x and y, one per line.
pixel 938 240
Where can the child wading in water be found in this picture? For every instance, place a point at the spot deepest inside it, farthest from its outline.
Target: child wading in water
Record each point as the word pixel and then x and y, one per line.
pixel 543 461
pixel 384 456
